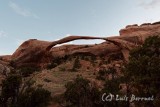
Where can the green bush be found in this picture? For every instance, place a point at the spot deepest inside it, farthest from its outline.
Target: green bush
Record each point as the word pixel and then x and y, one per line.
pixel 62 68
pixel 47 80
pixel 143 70
pixel 100 78
pixel 80 93
pixel 76 65
pixel 10 88
pixel 12 63
pixel 27 71
pixel 34 98
pixel 52 65
pixel 14 93
pixel 57 61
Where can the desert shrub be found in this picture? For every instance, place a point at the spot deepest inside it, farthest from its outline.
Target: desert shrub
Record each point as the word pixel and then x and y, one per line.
pixel 103 73
pixel 9 90
pixel 115 56
pixel 52 65
pixel 86 46
pixel 106 62
pixel 12 63
pixel 80 93
pixel 27 71
pixel 93 60
pixel 86 58
pixel 62 68
pixel 113 87
pixel 100 78
pixel 55 62
pixel 15 93
pixel 47 80
pixel 34 98
pixel 76 64
pixel 143 70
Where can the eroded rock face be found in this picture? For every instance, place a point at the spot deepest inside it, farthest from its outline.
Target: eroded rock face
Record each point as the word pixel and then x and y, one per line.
pixel 143 31
pixel 30 53
pixel 97 50
pixel 38 53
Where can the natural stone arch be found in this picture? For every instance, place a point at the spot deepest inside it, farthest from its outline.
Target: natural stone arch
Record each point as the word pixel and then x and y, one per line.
pixel 71 38
pixel 124 45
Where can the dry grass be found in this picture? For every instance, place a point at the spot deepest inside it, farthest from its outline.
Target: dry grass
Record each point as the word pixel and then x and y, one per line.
pixel 55 81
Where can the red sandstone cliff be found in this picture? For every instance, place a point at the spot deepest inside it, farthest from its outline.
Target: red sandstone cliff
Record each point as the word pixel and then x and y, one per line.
pixel 38 53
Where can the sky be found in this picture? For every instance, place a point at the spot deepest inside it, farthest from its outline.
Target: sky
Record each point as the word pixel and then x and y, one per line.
pixel 51 20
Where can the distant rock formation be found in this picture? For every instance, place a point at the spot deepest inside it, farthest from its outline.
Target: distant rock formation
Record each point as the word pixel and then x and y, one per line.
pixel 144 30
pixel 39 53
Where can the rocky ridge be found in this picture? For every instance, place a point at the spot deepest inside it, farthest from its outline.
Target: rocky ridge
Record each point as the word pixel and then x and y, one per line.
pixel 39 53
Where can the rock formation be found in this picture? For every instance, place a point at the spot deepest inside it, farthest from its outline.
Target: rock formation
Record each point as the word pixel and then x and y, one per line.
pixel 38 53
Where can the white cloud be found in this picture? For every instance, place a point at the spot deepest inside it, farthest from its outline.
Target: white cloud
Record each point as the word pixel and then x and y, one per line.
pixel 3 34
pixel 21 11
pixel 150 4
